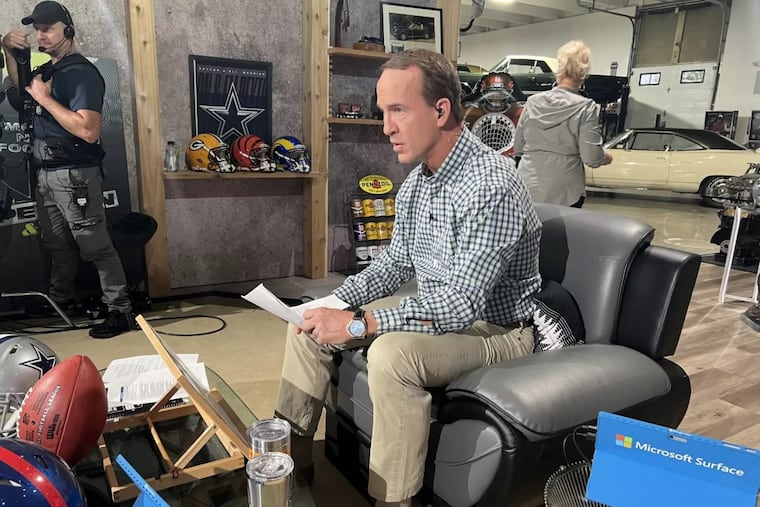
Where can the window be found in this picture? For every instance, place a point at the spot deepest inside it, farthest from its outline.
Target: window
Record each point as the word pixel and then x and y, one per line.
pixel 692 76
pixel 619 141
pixel 651 141
pixel 680 143
pixel 649 79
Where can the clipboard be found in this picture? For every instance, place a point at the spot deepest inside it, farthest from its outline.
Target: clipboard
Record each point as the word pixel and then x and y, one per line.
pixel 637 463
pixel 219 420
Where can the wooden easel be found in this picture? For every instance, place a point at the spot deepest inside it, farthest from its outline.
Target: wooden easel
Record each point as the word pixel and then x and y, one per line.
pixel 220 422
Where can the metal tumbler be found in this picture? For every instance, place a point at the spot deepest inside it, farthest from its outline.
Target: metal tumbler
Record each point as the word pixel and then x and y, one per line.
pixel 269 435
pixel 270 478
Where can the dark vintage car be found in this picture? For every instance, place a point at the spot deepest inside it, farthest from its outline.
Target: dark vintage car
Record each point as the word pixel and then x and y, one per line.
pixel 534 75
pixel 413 30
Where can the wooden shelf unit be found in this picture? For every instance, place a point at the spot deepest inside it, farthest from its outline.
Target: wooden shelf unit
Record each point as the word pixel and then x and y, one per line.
pixel 198 175
pixel 353 121
pixel 320 62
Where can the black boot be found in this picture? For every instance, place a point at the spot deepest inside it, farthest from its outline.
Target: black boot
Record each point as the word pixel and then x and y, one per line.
pixel 114 324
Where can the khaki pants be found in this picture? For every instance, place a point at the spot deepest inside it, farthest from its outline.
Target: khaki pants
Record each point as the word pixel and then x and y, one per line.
pixel 400 366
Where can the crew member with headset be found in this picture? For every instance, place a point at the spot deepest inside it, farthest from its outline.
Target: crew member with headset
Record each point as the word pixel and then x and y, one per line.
pixel 67 96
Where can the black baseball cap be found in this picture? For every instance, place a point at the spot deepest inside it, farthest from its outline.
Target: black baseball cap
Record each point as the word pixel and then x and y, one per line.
pixel 47 13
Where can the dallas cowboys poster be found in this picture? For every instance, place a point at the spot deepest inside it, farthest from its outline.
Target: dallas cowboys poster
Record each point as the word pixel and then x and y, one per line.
pixel 231 98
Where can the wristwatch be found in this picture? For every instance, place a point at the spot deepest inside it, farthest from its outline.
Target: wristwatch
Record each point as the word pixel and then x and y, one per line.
pixel 357 328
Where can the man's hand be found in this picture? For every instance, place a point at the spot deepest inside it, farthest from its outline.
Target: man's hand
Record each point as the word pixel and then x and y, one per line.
pixel 15 39
pixel 327 325
pixel 607 158
pixel 39 89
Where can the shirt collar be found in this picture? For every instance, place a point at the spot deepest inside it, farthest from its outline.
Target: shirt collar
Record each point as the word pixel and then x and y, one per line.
pixel 460 152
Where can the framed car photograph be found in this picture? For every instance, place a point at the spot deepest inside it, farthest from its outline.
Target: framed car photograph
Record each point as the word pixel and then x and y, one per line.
pixel 406 27
pixel 722 122
pixel 693 76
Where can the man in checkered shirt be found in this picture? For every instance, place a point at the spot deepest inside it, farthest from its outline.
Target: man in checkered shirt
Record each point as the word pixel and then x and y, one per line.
pixel 466 229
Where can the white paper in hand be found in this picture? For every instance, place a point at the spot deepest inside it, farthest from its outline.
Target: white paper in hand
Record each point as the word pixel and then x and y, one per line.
pixel 264 299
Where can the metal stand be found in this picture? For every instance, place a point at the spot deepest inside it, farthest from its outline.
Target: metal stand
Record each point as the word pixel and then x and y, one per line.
pixel 722 296
pixel 44 296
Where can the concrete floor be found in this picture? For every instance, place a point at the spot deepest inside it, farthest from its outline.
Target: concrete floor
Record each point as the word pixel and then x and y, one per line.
pixel 680 220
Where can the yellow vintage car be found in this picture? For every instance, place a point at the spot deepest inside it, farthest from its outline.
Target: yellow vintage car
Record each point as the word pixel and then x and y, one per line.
pixel 680 160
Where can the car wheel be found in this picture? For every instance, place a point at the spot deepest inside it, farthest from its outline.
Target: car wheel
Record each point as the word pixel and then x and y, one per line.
pixel 402 36
pixel 427 35
pixel 714 191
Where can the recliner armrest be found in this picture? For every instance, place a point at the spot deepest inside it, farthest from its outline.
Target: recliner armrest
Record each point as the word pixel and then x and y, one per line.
pixel 655 300
pixel 547 393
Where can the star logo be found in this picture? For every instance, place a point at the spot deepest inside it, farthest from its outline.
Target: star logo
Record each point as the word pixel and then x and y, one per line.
pixel 42 363
pixel 232 117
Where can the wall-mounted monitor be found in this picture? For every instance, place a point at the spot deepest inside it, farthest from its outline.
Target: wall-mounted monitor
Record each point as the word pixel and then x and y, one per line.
pixel 693 76
pixel 649 78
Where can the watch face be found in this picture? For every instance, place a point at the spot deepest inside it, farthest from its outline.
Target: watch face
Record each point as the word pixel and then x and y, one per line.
pixel 356 328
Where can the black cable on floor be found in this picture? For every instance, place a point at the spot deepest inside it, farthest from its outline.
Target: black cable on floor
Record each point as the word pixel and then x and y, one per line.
pixel 59 329
pixel 157 319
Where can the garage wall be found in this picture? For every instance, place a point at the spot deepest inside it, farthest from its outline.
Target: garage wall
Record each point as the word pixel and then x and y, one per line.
pixel 680 105
pixel 608 36
pixel 739 80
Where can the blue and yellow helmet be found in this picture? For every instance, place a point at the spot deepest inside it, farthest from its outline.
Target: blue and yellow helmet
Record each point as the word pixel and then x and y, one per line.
pixel 291 155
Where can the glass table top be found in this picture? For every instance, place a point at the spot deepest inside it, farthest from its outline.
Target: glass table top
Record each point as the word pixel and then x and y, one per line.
pixel 228 489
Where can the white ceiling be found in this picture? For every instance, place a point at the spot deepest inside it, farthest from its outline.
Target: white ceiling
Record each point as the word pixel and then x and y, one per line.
pixel 500 14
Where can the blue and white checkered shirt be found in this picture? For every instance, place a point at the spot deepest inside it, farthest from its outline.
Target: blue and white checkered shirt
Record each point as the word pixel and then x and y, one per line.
pixel 470 235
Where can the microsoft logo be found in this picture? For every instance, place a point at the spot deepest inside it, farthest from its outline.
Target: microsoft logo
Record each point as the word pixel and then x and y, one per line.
pixel 623 441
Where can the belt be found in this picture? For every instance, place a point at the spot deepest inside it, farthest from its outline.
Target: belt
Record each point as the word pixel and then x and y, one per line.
pixel 519 324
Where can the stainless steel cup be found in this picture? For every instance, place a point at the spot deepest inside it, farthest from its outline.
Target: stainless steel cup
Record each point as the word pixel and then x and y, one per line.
pixel 269 435
pixel 270 477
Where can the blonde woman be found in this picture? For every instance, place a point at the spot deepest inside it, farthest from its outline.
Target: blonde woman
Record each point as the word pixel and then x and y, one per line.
pixel 559 132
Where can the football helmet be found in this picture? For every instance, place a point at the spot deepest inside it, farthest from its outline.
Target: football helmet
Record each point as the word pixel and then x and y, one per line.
pixel 208 153
pixel 496 92
pixel 251 153
pixel 291 155
pixel 23 361
pixel 31 475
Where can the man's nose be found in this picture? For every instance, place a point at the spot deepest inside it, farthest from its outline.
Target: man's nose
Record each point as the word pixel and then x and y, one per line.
pixel 388 126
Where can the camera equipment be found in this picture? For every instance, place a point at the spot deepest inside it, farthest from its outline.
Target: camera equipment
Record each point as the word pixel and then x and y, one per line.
pixel 23 59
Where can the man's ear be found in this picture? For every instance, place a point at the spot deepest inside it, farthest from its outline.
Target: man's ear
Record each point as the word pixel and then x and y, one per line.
pixel 442 105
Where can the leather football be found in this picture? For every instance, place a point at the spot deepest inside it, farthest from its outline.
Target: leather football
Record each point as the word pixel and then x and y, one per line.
pixel 65 410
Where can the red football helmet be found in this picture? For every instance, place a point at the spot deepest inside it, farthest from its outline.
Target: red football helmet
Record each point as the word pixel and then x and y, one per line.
pixel 251 153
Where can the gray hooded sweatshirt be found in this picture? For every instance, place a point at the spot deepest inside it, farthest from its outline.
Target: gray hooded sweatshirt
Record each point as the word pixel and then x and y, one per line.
pixel 557 133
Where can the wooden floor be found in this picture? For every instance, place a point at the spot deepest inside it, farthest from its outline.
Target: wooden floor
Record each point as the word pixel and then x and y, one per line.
pixel 721 354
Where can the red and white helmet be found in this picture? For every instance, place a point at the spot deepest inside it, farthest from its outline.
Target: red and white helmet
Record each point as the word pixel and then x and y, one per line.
pixel 251 153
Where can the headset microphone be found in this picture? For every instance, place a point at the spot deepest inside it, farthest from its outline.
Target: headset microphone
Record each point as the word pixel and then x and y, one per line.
pixel 54 46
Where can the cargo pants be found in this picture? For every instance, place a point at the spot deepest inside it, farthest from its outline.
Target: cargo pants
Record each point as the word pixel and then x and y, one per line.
pixel 73 221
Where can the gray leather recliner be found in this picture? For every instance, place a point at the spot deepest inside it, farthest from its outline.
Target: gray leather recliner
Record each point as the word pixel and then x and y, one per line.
pixel 497 432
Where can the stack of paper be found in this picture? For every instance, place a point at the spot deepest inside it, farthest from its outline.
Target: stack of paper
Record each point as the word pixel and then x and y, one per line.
pixel 140 380
pixel 263 298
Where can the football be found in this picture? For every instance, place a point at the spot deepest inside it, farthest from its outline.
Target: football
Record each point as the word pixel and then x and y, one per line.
pixel 65 410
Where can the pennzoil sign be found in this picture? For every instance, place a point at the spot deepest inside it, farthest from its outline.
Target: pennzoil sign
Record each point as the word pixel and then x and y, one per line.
pixel 376 184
